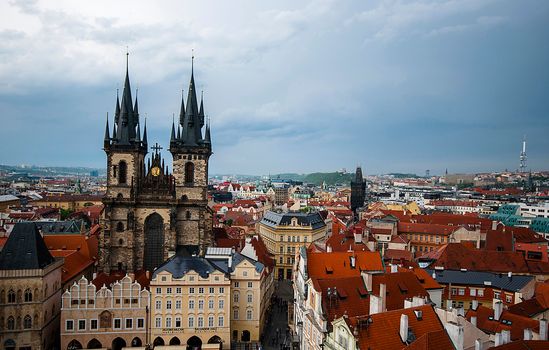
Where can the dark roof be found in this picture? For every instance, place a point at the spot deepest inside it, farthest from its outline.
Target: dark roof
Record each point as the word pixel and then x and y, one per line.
pixel 478 278
pixel 52 227
pixel 25 249
pixel 273 219
pixel 179 264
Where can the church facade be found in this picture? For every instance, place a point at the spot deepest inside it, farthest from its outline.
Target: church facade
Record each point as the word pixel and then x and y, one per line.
pixel 149 211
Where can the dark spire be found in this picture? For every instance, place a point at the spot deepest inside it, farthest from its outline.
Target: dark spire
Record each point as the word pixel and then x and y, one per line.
pixel 358 175
pixel 138 134
pixel 117 109
pixel 114 131
pixel 126 124
pixel 136 107
pixel 145 134
pixel 192 133
pixel 178 132
pixel 207 137
pixel 182 111
pixel 107 135
pixel 201 110
pixel 172 137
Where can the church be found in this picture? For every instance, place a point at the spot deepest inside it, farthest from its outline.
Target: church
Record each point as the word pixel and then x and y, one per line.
pixel 150 212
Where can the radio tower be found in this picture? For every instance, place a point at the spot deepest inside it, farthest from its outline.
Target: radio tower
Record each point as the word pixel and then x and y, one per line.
pixel 522 166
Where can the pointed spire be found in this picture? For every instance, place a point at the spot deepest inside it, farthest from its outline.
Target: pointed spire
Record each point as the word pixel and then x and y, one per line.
pixel 107 138
pixel 145 134
pixel 172 137
pixel 117 108
pixel 182 111
pixel 135 106
pixel 208 137
pixel 201 110
pixel 138 134
pixel 114 131
pixel 178 132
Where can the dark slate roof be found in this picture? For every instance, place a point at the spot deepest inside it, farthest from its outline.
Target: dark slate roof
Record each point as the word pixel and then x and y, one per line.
pixel 478 278
pixel 25 249
pixel 179 264
pixel 273 219
pixel 222 263
pixel 52 227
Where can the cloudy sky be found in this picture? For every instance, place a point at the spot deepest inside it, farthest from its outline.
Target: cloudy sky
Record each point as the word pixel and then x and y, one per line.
pixel 289 86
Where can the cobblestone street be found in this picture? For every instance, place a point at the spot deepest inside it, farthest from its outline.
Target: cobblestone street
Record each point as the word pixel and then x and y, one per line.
pixel 276 335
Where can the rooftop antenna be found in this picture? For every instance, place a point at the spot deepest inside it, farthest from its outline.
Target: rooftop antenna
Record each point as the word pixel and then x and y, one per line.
pixel 522 158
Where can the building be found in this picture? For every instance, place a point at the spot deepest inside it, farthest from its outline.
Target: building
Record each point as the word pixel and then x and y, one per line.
pixel 111 316
pixel 148 211
pixel 190 303
pixel 358 190
pixel 285 233
pixel 30 291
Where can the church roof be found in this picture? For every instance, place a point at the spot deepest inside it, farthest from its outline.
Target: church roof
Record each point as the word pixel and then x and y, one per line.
pixel 25 249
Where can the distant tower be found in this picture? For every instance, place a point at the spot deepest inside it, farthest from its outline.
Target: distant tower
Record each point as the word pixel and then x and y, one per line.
pixel 358 190
pixel 522 166
pixel 427 173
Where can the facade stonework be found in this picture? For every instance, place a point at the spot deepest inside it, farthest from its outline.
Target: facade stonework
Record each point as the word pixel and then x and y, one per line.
pixel 149 211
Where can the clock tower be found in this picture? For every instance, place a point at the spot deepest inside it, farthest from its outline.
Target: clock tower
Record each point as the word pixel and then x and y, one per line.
pixel 149 212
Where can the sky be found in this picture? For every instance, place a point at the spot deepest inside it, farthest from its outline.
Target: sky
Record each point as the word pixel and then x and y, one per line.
pixel 289 86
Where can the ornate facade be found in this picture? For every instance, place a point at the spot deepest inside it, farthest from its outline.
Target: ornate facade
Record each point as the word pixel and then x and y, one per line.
pixel 148 210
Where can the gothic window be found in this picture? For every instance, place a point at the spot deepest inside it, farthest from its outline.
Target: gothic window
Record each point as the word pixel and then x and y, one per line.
pixel 11 323
pixel 122 172
pixel 188 215
pixel 28 295
pixel 27 322
pixel 154 242
pixel 11 296
pixel 2 296
pixel 189 172
pixel 119 227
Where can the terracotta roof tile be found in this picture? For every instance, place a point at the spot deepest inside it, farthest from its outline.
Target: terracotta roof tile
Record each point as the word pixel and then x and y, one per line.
pixel 340 263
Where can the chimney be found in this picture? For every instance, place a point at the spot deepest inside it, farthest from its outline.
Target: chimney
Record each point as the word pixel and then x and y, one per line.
pixel 474 320
pixel 375 304
pixel 328 248
pixel 448 305
pixel 383 296
pixel 456 333
pixel 506 336
pixel 510 274
pixel 498 309
pixel 367 278
pixel 404 327
pixel 418 301
pixel 353 261
pixel 475 305
pixel 497 339
pixel 478 344
pixel 358 235
pixel 527 334
pixel 94 276
pixel 494 225
pixel 148 274
pixel 394 268
pixel 407 303
pixel 543 329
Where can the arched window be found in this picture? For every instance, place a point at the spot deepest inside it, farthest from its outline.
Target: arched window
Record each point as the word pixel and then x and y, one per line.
pixel 27 322
pixel 2 296
pixel 188 214
pixel 11 323
pixel 189 173
pixel 122 172
pixel 28 295
pixel 11 296
pixel 119 226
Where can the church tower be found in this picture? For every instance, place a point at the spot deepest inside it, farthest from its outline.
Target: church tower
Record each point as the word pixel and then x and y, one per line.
pixel 149 212
pixel 358 190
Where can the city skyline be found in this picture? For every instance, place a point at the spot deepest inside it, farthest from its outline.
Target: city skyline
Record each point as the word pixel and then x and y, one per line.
pixel 389 86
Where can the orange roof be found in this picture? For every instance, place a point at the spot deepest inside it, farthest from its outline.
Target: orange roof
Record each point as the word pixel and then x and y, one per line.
pixel 433 229
pixel 492 326
pixel 79 252
pixel 524 345
pixel 432 341
pixel 352 297
pixel 338 264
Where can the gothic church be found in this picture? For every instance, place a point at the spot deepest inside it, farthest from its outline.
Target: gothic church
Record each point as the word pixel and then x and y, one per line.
pixel 148 211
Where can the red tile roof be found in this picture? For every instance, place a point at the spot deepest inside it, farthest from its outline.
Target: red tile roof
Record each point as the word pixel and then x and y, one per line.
pixel 396 255
pixel 79 253
pixel 433 229
pixel 436 340
pixel 108 279
pixel 338 264
pixel 524 345
pixel 492 326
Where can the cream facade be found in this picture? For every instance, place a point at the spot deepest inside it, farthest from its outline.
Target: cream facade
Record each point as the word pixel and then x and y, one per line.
pixel 112 317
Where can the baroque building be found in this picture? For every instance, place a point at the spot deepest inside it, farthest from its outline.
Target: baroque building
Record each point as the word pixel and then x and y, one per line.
pixel 148 210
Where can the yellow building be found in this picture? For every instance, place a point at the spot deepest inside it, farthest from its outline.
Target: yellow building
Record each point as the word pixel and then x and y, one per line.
pixel 68 201
pixel 190 304
pixel 285 233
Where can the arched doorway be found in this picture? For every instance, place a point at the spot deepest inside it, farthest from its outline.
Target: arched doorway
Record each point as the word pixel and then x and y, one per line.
pixel 136 342
pixel 245 336
pixel 158 341
pixel 175 341
pixel 215 340
pixel 74 344
pixel 194 343
pixel 9 344
pixel 154 242
pixel 118 344
pixel 94 344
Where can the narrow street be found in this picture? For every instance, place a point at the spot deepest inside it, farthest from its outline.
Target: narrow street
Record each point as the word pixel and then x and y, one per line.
pixel 276 333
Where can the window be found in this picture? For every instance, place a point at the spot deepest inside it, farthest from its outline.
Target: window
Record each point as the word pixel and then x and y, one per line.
pixel 11 324
pixel 168 304
pixel 454 291
pixel 297 239
pixel 122 172
pixel 69 324
pixel 189 172
pixel 201 304
pixel 289 239
pixel 461 291
pixel 168 322
pixel 210 321
pixel 191 304
pixel 178 322
pixel 201 290
pixel 250 298
pixel 200 322
pixel 210 304
pixel 158 305
pixel 250 284
pixel 235 314
pixel 11 296
pixel 221 290
pixel 236 296
pixel 480 292
pixel 93 324
pixel 281 238
pixel 473 292
pixel 178 290
pixel 27 323
pixel 140 322
pixel 158 290
pixel 212 290
pixel 191 290
pixel 129 323
pixel 497 295
pixel 508 298
pixel 249 314
pixel 117 323
pixel 289 249
pixel 28 296
pixel 191 278
pixel 280 260
pixel 220 321
pixel 158 322
pixel 81 325
pixel 221 303
pixel 191 322
pixel 169 290
pixel 305 239
pixel 236 284
pixel 178 304
pixel 164 278
pixel 281 250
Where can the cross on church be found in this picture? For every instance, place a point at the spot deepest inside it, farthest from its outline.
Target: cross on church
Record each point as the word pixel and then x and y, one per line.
pixel 156 147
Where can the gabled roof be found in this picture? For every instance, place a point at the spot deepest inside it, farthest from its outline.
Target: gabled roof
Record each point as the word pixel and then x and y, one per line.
pixel 524 345
pixel 180 264
pixel 479 278
pixel 25 249
pixel 273 219
pixel 338 264
pixel 436 340
pixel 507 321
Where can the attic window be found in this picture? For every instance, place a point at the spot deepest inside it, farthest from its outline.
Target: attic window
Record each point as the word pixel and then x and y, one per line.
pixel 342 293
pixel 362 292
pixel 402 287
pixel 329 270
